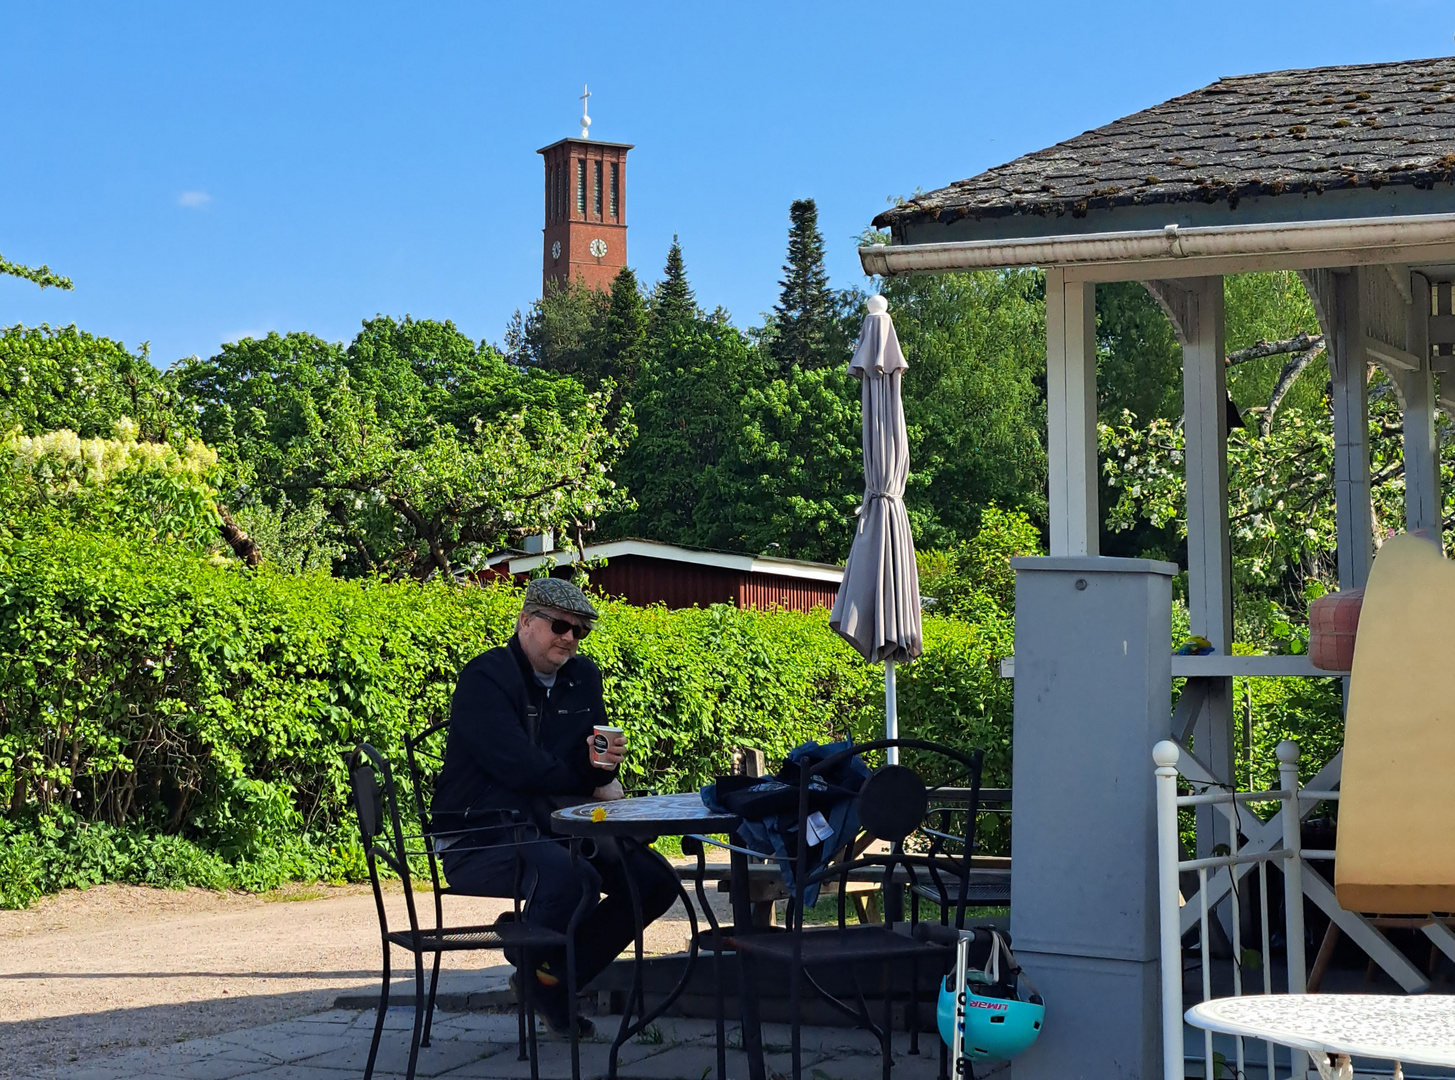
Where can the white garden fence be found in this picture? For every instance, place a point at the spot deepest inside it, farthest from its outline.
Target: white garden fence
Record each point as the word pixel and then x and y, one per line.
pixel 1222 871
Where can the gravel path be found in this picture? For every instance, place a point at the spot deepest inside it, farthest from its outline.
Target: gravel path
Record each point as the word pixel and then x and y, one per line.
pixel 88 973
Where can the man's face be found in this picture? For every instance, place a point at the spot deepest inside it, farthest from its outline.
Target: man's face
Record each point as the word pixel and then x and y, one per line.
pixel 544 648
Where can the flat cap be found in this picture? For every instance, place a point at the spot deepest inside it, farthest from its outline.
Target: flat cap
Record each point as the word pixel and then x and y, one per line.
pixel 559 594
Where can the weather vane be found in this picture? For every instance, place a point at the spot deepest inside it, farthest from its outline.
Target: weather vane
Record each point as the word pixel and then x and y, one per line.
pixel 585 120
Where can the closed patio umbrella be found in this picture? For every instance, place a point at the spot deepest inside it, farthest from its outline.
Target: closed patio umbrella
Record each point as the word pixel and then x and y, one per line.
pixel 878 609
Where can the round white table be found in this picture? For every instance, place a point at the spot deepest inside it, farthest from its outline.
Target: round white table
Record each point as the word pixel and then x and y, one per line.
pixel 1418 1030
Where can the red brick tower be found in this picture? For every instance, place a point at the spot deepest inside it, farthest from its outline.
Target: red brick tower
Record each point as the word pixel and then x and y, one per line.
pixel 585 233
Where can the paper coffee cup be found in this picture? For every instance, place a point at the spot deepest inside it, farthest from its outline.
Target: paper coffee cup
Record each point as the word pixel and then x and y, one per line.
pixel 601 736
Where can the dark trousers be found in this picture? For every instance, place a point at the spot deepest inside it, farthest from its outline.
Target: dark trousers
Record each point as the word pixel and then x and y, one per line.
pixel 554 888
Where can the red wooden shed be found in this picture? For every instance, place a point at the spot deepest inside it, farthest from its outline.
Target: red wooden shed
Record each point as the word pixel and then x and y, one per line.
pixel 648 572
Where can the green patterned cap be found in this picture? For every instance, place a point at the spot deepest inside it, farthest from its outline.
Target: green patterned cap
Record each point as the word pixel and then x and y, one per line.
pixel 559 594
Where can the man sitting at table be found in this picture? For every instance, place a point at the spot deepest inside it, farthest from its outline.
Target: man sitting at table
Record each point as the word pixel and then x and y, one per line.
pixel 521 725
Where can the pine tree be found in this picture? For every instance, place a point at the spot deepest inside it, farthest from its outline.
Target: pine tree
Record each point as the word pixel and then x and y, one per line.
pixel 806 311
pixel 625 329
pixel 672 301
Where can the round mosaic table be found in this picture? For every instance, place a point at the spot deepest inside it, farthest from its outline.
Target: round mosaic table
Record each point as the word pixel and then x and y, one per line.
pixel 1417 1030
pixel 635 822
pixel 643 817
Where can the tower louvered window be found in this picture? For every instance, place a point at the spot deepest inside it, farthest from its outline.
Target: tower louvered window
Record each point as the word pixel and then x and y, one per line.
pixel 581 188
pixel 615 192
pixel 597 193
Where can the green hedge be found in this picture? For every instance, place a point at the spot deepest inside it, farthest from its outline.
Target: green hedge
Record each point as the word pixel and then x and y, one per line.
pixel 168 721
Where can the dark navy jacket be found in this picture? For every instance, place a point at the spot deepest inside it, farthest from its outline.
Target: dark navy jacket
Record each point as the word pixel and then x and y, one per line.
pixel 493 760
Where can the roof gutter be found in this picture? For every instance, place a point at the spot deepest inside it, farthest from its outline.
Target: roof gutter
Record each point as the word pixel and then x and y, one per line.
pixel 1348 241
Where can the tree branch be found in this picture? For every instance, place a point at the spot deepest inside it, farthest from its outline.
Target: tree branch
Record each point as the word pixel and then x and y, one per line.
pixel 243 545
pixel 437 555
pixel 43 276
pixel 1291 371
pixel 1300 343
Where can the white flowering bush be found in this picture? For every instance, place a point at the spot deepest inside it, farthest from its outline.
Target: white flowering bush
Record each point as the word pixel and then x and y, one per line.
pixel 121 486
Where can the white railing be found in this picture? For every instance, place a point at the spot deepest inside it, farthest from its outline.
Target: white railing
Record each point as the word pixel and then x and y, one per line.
pixel 1233 865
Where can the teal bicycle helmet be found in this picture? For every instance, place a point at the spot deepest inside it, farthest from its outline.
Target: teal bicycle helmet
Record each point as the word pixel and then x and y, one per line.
pixel 999 1023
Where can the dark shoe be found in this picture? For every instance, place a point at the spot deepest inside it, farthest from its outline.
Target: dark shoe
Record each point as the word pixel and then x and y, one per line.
pixel 549 1003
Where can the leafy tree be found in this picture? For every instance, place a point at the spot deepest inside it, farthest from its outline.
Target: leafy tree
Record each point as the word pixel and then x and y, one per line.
pixel 1281 499
pixel 973 580
pixel 672 300
pixel 797 467
pixel 66 378
pixel 688 409
pixel 422 449
pixel 805 325
pixel 1139 362
pixel 562 333
pixel 624 333
pixel 975 412
pixel 726 457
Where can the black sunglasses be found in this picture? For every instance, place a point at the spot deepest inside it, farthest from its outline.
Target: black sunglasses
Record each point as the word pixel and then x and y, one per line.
pixel 563 626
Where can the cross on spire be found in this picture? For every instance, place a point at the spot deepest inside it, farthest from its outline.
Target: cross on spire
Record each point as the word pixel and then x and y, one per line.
pixel 585 119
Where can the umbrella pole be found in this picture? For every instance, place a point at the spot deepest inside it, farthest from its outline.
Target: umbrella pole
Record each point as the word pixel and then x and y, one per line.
pixel 891 710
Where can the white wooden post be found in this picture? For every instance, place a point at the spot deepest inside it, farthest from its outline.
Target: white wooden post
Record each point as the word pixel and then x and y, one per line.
pixel 1209 557
pixel 1422 502
pixel 1348 368
pixel 1169 897
pixel 1205 411
pixel 1071 413
pixel 1287 753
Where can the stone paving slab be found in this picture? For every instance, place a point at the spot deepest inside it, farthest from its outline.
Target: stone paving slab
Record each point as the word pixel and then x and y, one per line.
pixel 457 991
pixel 480 1046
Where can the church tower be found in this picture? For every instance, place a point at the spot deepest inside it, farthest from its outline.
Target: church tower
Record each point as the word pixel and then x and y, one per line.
pixel 585 233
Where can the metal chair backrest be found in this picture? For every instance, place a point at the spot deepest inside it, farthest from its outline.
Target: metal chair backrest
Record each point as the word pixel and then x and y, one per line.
pixel 420 752
pixel 372 783
pixel 893 804
pixel 425 755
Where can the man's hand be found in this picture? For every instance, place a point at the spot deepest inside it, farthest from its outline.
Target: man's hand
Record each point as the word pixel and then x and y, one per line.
pixel 614 754
pixel 609 793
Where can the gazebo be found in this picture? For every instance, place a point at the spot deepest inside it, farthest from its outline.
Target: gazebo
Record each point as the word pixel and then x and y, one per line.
pixel 1343 174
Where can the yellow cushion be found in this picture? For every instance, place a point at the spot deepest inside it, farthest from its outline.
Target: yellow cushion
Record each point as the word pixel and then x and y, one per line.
pixel 1396 845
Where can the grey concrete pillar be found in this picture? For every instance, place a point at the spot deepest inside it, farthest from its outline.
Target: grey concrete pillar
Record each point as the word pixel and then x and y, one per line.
pixel 1093 684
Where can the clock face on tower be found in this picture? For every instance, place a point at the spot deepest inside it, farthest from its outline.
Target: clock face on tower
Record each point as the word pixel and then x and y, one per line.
pixel 556 250
pixel 598 248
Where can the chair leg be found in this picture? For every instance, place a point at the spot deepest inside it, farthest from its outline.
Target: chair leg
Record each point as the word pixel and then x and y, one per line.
pixel 382 1011
pixel 794 1017
pixel 527 985
pixel 572 1006
pixel 1321 961
pixel 913 1016
pixel 434 982
pixel 419 1007
pixel 520 1042
pixel 886 1039
pixel 721 1006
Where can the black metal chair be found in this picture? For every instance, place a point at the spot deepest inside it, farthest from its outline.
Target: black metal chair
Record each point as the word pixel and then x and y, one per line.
pixel 892 805
pixel 989 887
pixel 371 781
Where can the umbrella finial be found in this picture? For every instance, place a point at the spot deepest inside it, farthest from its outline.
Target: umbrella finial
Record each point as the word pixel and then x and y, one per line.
pixel 877 305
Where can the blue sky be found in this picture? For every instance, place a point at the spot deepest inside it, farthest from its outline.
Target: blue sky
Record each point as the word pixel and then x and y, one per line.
pixel 206 171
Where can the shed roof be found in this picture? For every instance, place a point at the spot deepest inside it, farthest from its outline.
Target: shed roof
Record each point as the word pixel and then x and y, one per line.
pixel 655 549
pixel 1301 132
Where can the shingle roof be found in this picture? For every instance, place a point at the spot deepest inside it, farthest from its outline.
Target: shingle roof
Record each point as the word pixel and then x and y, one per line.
pixel 1285 132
